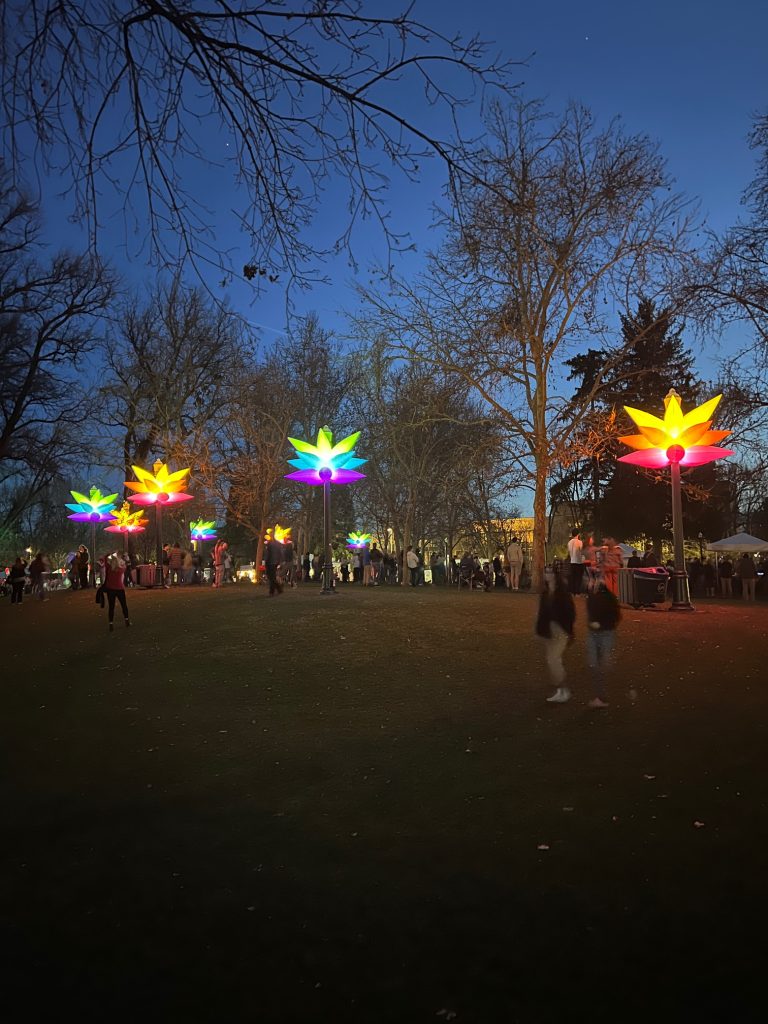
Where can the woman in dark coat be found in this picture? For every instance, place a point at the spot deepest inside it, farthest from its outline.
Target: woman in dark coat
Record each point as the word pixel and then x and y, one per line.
pixel 83 558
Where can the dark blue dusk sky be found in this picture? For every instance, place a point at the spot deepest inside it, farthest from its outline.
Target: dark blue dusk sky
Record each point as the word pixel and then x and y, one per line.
pixel 688 75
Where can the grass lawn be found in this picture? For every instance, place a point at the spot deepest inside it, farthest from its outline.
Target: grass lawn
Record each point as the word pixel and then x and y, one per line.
pixel 361 809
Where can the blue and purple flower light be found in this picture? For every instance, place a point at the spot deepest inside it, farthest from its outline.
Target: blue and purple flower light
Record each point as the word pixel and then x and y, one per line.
pixel 97 508
pixel 325 461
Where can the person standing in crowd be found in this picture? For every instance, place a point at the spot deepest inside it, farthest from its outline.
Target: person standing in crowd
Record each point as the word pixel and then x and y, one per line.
pixel 555 622
pixel 356 567
pixel 114 587
pixel 634 561
pixel 576 559
pixel 603 616
pixel 412 564
pixel 650 560
pixel 612 562
pixel 726 576
pixel 219 556
pixel 306 565
pixel 710 578
pixel 83 559
pixel 166 565
pixel 375 564
pixel 367 566
pixel 344 567
pixel 273 557
pixel 175 564
pixel 18 578
pixel 747 574
pixel 515 561
pixel 39 568
pixel 289 563
pixel 187 567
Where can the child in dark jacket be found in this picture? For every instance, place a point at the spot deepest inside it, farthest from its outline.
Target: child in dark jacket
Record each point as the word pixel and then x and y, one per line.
pixel 603 616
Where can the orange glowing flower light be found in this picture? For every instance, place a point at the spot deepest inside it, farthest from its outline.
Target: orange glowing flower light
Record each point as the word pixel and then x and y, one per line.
pixel 684 438
pixel 125 521
pixel 160 487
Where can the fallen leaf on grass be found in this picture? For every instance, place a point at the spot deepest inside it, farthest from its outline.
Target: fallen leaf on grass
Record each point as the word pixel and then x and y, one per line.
pixel 542 846
pixel 649 776
pixel 698 824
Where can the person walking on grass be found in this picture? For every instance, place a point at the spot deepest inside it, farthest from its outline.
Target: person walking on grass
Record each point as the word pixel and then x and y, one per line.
pixel 114 587
pixel 555 621
pixel 273 557
pixel 603 616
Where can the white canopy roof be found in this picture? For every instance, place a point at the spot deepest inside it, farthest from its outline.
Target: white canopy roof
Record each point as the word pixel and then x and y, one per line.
pixel 739 542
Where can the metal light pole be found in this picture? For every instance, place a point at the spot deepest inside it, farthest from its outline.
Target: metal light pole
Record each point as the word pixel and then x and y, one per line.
pixel 681 594
pixel 92 574
pixel 159 581
pixel 325 475
pixel 701 546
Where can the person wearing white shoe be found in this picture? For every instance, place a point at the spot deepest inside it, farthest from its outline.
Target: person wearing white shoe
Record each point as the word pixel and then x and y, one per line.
pixel 555 621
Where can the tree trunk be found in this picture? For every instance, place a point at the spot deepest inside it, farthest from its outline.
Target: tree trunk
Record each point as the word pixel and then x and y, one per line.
pixel 539 525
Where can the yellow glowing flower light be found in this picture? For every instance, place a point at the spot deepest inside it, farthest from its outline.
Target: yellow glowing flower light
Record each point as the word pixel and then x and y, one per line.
pixel 683 438
pixel 160 487
pixel 282 534
pixel 125 521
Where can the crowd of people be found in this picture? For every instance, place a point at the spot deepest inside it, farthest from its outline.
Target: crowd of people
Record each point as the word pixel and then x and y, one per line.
pixel 590 564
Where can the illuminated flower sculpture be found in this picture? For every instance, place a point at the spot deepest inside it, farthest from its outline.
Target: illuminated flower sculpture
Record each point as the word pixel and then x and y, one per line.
pixel 314 460
pixel 158 488
pixel 680 439
pixel 357 541
pixel 326 463
pixel 282 534
pixel 125 521
pixel 96 508
pixel 202 530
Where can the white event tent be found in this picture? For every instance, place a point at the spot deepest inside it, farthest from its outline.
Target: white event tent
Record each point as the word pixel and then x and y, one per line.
pixel 741 542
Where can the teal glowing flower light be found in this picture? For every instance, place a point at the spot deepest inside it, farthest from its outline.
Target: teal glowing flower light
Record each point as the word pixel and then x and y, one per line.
pixel 357 541
pixel 325 461
pixel 97 508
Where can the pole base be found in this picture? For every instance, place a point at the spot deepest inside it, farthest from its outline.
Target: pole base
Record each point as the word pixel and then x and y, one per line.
pixel 681 594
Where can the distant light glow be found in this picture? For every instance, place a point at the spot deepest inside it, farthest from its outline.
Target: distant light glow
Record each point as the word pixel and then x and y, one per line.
pixel 315 461
pixel 125 521
pixel 358 540
pixel 679 438
pixel 96 508
pixel 160 487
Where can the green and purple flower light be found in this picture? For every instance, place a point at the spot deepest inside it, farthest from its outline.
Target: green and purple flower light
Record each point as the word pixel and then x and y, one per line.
pixel 202 530
pixel 325 461
pixel 96 508
pixel 358 541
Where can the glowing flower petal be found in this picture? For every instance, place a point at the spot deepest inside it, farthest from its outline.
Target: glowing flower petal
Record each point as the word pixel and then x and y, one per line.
pixel 701 412
pixel 699 455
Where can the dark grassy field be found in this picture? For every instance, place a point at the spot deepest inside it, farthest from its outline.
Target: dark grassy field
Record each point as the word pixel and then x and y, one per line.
pixel 362 809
